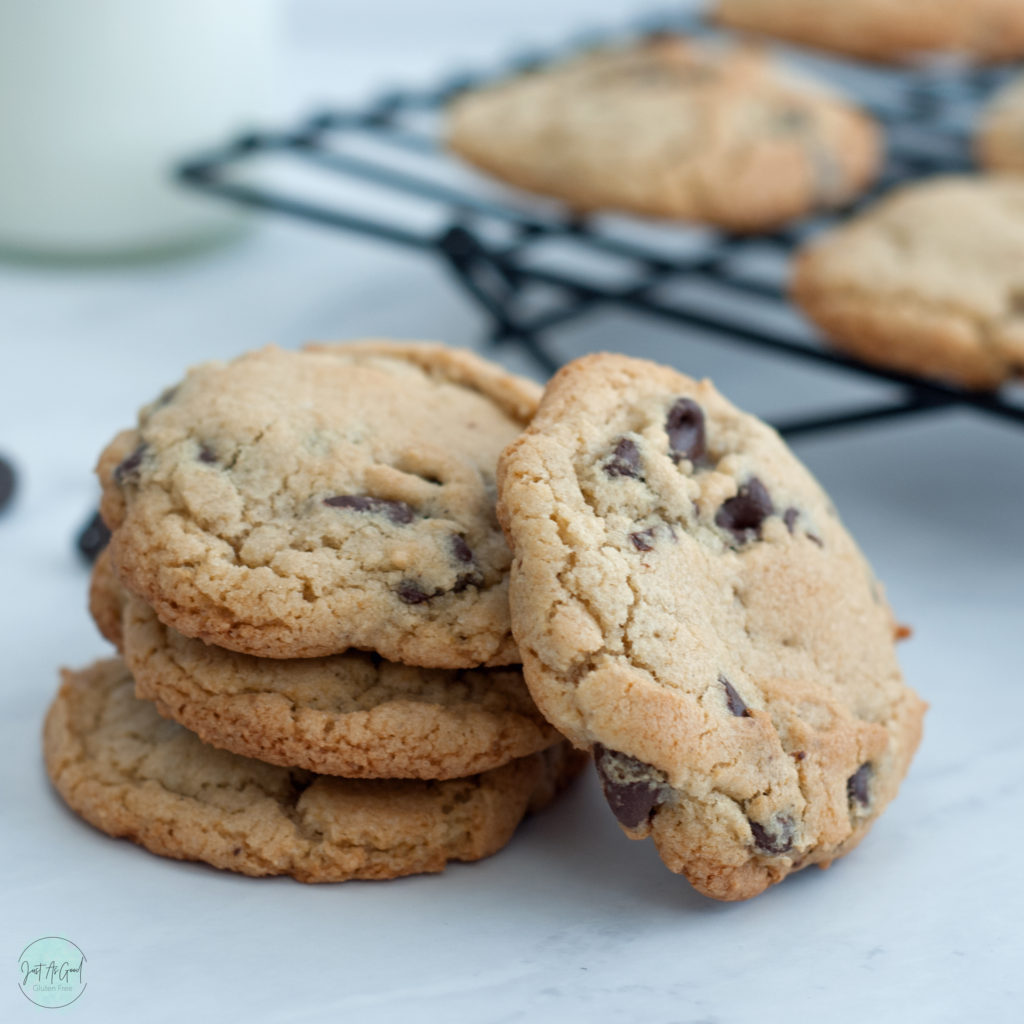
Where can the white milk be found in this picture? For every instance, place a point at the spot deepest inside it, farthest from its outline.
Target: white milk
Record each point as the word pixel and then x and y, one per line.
pixel 99 98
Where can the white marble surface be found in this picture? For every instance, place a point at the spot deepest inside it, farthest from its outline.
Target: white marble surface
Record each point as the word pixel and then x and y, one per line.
pixel 571 922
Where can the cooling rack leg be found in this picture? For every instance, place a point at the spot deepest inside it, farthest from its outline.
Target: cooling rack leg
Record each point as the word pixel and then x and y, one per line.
pixel 494 288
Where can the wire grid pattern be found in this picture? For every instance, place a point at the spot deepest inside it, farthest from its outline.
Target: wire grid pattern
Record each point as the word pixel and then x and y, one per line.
pixel 382 171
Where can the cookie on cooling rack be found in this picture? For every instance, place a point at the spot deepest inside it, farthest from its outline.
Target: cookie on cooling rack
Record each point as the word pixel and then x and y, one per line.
pixel 930 281
pixel 688 604
pixel 887 30
pixel 668 127
pixel 297 504
pixel 131 773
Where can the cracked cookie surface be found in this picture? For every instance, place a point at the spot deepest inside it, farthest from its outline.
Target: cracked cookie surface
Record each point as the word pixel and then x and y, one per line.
pixel 688 604
pixel 131 773
pixel 297 504
pixel 350 714
pixel 930 281
pixel 887 30
pixel 671 128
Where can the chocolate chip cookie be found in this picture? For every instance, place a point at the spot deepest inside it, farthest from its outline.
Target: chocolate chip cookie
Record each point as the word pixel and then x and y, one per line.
pixel 298 504
pixel 688 604
pixel 349 714
pixel 671 128
pixel 930 281
pixel 131 773
pixel 887 30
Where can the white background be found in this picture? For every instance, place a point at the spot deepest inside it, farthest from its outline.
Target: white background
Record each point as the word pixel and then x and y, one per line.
pixel 571 922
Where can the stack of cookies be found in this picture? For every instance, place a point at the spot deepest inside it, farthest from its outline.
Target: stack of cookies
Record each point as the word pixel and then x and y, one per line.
pixel 308 587
pixel 320 620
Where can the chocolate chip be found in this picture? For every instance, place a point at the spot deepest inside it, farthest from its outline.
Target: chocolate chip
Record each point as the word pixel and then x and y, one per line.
pixel 642 539
pixel 777 838
pixel 632 788
pixel 6 483
pixel 625 460
pixel 411 592
pixel 236 851
pixel 93 538
pixel 734 700
pixel 798 755
pixel 460 549
pixel 206 455
pixel 685 429
pixel 397 511
pixel 743 515
pixel 467 579
pixel 857 785
pixel 463 553
pixel 128 468
pixel 790 516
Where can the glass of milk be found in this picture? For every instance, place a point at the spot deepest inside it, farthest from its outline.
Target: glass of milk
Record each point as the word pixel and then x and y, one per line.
pixel 100 98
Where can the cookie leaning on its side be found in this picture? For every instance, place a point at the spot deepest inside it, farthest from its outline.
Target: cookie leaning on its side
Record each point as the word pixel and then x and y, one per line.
pixel 688 604
pixel 928 281
pixel 671 128
pixel 131 773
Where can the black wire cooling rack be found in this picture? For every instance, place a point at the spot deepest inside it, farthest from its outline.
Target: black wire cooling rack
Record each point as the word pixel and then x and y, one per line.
pixel 382 171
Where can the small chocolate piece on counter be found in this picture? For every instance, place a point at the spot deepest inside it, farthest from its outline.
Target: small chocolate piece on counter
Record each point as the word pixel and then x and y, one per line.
pixel 93 537
pixel 7 482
